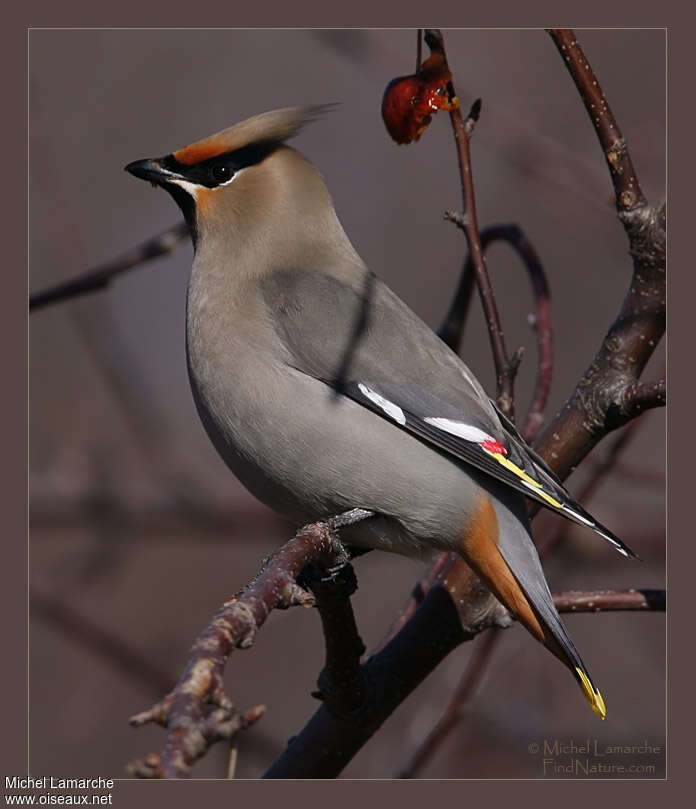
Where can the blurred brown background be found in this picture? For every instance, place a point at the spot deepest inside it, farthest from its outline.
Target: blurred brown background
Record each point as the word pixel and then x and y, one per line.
pixel 136 525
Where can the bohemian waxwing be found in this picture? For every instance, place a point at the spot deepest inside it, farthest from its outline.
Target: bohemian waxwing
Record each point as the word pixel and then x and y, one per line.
pixel 324 392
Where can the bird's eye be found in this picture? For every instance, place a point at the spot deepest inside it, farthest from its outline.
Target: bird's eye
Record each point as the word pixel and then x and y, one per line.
pixel 222 173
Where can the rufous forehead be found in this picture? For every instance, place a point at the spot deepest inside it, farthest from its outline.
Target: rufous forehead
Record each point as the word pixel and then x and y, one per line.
pixel 201 150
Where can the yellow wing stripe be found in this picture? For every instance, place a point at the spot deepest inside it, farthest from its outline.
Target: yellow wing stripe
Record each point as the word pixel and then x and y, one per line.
pixel 593 697
pixel 508 464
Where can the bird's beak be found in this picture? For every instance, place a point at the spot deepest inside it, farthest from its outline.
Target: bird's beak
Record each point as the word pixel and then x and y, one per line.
pixel 151 170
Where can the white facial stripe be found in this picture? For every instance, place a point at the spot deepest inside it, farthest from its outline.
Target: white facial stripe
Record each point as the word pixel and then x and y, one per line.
pixel 466 431
pixel 190 188
pixel 392 410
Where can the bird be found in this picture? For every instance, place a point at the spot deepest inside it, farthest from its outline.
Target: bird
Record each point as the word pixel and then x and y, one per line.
pixel 324 392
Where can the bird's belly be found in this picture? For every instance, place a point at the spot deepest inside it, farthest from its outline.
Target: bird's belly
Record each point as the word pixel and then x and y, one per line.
pixel 234 421
pixel 309 454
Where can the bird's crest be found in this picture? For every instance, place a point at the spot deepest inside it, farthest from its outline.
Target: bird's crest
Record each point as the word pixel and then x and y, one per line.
pixel 269 127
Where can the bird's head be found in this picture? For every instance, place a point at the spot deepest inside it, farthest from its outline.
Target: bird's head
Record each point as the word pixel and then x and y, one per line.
pixel 229 181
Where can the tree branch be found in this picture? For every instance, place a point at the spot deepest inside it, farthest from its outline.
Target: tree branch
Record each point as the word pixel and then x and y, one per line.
pixel 342 685
pixel 101 276
pixel 197 712
pixel 606 397
pixel 601 471
pixel 610 600
pixel 327 743
pixel 629 194
pixel 641 396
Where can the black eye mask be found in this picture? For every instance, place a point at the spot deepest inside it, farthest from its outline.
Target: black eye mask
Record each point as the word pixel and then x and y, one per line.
pixel 220 169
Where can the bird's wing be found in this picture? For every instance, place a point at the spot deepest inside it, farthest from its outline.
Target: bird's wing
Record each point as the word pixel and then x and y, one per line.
pixel 509 460
pixel 363 341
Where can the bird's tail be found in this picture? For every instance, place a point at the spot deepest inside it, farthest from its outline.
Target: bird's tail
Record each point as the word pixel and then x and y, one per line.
pixel 555 636
pixel 564 649
pixel 513 572
pixel 592 693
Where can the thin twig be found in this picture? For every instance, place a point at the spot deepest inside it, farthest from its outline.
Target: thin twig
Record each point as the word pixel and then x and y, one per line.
pixel 232 763
pixel 543 328
pixel 462 129
pixel 101 276
pixel 452 328
pixel 624 178
pixel 610 600
pixel 644 396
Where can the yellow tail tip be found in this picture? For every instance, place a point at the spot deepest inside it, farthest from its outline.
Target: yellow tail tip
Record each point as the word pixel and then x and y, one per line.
pixel 593 697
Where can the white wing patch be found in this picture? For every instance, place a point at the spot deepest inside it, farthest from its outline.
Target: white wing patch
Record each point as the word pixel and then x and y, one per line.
pixel 466 431
pixel 392 410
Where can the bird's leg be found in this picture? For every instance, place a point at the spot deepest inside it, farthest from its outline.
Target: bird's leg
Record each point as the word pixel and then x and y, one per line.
pixel 351 551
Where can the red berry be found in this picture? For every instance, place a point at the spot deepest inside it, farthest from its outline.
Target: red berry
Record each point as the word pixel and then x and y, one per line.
pixel 410 101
